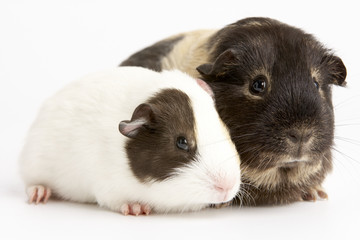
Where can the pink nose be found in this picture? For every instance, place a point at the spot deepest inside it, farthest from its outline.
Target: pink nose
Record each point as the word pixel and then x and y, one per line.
pixel 224 184
pixel 224 188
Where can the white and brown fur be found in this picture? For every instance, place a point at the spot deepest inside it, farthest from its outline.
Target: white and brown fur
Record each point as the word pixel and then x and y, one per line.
pixel 75 150
pixel 284 135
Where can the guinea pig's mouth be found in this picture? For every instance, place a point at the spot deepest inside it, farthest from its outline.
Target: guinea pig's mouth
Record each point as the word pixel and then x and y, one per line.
pixel 289 163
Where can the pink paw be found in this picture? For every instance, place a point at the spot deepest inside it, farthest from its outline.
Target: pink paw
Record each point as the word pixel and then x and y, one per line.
pixel 38 193
pixel 135 209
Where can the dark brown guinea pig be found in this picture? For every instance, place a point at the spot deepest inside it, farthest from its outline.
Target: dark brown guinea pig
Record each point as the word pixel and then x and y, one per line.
pixel 272 85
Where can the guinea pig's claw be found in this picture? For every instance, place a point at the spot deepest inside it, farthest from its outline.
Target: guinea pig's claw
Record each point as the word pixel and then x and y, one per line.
pixel 146 209
pixel 38 193
pixel 323 195
pixel 135 209
pixel 125 209
pixel 315 194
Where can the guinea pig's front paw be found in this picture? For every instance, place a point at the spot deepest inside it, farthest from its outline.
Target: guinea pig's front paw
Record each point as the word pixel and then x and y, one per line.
pixel 135 209
pixel 314 194
pixel 38 193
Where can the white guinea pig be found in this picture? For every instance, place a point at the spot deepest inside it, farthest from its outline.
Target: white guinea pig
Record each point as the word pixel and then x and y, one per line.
pixel 173 155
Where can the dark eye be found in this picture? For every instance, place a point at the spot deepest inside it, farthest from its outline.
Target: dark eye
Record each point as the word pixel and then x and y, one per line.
pixel 316 84
pixel 259 85
pixel 182 143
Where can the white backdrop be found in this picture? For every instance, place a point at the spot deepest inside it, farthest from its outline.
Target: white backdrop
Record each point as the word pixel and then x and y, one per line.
pixel 46 44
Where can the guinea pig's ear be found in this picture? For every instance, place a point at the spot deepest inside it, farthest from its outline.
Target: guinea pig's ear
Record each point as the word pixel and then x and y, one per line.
pixel 142 115
pixel 337 70
pixel 205 87
pixel 212 71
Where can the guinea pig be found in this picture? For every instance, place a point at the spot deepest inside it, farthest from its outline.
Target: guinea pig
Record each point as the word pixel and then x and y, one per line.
pixel 173 152
pixel 272 85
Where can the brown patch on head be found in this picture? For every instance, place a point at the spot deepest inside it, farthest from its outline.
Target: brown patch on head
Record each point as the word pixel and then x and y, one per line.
pixel 159 147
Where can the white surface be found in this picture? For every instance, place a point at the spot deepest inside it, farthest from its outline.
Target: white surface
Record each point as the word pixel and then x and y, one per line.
pixel 44 45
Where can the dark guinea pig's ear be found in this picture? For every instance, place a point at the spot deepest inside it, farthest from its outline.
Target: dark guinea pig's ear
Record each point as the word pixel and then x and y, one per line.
pixel 337 70
pixel 213 71
pixel 143 115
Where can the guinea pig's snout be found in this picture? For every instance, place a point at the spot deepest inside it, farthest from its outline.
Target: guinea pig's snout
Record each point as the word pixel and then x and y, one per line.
pixel 297 136
pixel 299 140
pixel 225 188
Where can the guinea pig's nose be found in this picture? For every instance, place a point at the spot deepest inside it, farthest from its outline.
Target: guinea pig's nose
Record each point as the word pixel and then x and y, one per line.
pixel 299 136
pixel 225 185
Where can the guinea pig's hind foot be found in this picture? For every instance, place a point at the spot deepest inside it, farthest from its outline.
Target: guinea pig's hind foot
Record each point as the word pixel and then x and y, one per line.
pixel 315 194
pixel 135 209
pixel 38 193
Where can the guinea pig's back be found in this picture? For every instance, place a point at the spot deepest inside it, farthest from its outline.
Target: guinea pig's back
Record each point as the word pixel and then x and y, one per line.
pixel 75 142
pixel 191 51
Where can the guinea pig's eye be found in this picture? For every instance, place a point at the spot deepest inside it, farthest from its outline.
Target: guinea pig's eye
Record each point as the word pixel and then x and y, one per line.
pixel 259 85
pixel 182 143
pixel 316 84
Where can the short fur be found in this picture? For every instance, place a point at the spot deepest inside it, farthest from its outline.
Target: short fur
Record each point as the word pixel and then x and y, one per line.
pixel 284 134
pixel 174 121
pixel 151 57
pixel 75 149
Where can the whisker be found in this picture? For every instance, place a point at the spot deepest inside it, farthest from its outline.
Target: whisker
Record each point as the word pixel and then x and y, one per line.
pixel 345 155
pixel 345 101
pixel 348 140
pixel 347 125
pixel 249 184
pixel 245 195
pixel 237 198
pixel 244 135
pixel 349 171
pixel 348 121
pixel 255 149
